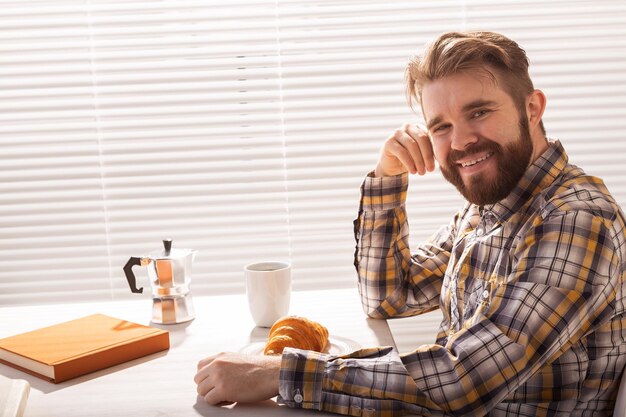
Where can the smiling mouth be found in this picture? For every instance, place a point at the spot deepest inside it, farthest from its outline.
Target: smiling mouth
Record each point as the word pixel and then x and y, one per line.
pixel 476 161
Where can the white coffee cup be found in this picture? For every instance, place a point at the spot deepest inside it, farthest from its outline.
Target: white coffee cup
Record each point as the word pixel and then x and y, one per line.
pixel 268 285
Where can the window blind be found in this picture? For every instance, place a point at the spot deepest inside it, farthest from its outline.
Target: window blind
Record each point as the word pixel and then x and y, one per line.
pixel 244 130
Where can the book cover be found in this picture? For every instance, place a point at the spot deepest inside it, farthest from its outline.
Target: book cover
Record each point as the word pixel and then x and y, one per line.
pixel 13 397
pixel 70 349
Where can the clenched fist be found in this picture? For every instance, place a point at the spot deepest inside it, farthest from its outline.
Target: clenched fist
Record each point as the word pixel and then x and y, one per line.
pixel 232 377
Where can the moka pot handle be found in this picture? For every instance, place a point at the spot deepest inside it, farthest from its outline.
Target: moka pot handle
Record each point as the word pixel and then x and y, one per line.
pixel 128 270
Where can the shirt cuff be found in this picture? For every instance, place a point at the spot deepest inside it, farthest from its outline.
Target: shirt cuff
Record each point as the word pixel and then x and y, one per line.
pixel 301 378
pixel 384 193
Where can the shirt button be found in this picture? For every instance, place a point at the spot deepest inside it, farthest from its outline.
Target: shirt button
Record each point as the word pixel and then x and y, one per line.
pixel 479 231
pixel 298 397
pixel 485 294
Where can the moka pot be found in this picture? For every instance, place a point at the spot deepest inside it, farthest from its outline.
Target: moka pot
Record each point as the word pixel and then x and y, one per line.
pixel 169 271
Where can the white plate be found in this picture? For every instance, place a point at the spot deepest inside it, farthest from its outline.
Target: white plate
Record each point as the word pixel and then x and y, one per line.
pixel 338 346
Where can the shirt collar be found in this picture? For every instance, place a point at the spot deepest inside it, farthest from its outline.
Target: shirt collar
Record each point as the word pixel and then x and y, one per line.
pixel 539 175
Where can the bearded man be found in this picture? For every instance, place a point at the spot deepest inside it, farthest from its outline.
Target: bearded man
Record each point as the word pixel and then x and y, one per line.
pixel 529 273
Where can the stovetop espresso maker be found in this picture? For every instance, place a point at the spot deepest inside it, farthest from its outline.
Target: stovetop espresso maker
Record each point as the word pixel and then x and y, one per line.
pixel 169 271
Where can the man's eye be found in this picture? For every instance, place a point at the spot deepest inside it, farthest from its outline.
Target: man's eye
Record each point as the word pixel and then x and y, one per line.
pixel 440 128
pixel 479 113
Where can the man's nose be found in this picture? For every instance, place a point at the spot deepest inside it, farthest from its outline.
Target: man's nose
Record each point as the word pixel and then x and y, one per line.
pixel 463 136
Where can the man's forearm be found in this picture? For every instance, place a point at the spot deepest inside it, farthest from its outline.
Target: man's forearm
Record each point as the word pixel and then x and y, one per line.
pixel 392 282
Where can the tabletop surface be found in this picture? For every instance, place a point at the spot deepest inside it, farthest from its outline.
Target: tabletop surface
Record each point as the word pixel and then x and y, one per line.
pixel 162 384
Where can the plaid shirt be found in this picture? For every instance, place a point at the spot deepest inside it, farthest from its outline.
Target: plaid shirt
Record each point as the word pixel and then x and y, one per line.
pixel 532 298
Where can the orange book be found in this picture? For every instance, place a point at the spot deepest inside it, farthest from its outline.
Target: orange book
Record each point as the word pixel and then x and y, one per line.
pixel 67 350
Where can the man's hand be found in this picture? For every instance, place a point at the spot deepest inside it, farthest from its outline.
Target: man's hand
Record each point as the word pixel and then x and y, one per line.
pixel 408 149
pixel 232 377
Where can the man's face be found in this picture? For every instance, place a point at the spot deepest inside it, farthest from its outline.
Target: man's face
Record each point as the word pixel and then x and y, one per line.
pixel 481 141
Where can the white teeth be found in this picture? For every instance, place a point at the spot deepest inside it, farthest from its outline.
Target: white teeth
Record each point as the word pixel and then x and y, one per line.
pixel 474 162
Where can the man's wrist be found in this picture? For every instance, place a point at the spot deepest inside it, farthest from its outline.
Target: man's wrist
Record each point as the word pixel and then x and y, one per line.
pixel 377 173
pixel 274 370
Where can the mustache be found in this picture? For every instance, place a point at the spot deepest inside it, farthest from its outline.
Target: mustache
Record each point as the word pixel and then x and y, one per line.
pixel 482 146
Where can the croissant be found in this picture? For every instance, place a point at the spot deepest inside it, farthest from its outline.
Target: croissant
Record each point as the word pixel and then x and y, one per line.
pixel 296 332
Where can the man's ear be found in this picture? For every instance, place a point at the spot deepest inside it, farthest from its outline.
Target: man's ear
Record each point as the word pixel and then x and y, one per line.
pixel 535 106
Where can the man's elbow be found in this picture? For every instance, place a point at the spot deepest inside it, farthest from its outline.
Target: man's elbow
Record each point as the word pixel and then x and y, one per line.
pixel 376 312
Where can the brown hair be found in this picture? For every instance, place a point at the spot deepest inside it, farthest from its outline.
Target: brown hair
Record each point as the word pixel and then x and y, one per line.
pixel 495 55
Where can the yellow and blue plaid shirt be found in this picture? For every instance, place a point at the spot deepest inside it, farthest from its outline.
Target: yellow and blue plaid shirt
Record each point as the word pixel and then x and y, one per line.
pixel 532 297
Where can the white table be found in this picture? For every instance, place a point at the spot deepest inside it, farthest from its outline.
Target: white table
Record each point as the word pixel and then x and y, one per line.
pixel 162 384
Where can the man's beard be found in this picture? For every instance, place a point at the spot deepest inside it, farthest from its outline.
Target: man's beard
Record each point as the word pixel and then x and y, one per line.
pixel 512 161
